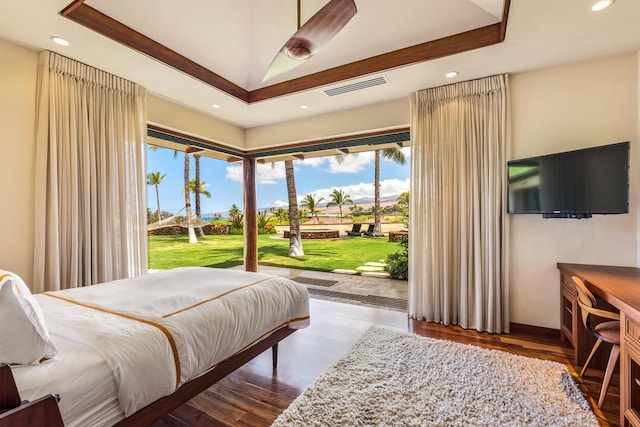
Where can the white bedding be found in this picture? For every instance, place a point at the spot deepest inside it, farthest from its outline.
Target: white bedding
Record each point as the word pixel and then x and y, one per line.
pixel 88 392
pixel 158 331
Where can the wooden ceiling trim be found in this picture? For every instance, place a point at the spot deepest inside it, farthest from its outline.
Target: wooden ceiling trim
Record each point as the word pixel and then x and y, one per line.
pixel 115 30
pixel 71 7
pixel 85 15
pixel 457 43
pixel 505 18
pixel 295 147
pixel 236 154
pixel 188 140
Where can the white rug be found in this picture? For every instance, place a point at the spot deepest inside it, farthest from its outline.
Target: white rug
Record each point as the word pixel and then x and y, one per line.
pixel 391 378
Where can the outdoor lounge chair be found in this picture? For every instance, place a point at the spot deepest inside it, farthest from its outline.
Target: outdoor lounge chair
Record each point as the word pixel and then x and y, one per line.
pixel 370 230
pixel 355 230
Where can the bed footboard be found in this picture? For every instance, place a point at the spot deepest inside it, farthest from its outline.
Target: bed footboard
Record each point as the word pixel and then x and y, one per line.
pixel 43 412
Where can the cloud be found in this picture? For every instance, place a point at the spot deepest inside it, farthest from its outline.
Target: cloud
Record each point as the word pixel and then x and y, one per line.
pixel 393 187
pixel 234 173
pixel 265 172
pixel 313 161
pixel 270 173
pixel 365 190
pixel 280 204
pixel 352 163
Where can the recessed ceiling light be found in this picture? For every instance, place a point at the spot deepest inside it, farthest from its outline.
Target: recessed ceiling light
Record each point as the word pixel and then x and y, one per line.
pixel 60 41
pixel 451 74
pixel 216 105
pixel 601 4
pixel 304 107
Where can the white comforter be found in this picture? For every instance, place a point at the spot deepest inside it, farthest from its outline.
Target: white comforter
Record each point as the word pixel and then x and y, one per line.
pixel 158 331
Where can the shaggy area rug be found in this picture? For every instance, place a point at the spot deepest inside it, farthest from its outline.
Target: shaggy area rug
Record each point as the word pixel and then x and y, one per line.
pixel 391 378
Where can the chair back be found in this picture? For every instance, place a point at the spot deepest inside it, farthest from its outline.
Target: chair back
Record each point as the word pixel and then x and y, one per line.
pixel 356 227
pixel 371 228
pixel 586 300
pixel 587 303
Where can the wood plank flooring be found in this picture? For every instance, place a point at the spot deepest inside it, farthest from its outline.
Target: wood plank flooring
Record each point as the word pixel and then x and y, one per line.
pixel 255 395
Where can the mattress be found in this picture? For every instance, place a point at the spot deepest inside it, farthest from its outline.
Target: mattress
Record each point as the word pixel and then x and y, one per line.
pixel 124 344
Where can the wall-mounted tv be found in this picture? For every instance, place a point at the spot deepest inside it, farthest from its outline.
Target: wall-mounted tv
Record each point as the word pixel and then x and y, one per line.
pixel 573 184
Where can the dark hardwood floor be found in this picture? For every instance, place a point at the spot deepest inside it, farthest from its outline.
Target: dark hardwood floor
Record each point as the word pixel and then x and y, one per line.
pixel 255 395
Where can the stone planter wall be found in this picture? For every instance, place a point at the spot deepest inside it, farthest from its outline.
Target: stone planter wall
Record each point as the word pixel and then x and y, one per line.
pixel 316 234
pixel 395 236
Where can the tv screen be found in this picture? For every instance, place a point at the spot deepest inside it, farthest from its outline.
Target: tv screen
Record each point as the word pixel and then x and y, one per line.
pixel 575 183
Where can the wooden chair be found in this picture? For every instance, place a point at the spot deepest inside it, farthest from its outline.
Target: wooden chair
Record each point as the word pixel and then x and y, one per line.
pixel 370 230
pixel 355 230
pixel 607 331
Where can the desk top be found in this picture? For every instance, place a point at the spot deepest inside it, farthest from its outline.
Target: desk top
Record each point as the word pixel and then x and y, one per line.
pixel 619 286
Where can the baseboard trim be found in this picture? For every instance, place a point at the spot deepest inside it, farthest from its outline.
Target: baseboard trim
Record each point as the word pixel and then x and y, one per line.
pixel 520 328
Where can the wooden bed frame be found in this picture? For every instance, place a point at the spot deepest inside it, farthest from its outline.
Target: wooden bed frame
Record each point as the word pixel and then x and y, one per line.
pixel 45 411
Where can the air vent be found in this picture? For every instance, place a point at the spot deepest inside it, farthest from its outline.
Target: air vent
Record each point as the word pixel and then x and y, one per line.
pixel 356 86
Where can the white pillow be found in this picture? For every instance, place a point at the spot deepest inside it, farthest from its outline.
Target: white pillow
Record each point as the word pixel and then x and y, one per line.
pixel 23 335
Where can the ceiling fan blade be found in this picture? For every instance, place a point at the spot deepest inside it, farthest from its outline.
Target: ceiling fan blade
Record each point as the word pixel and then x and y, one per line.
pixel 312 36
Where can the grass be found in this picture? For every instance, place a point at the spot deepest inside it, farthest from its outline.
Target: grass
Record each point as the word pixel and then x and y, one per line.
pixel 227 251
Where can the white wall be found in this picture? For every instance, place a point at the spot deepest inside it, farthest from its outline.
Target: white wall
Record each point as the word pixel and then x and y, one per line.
pixel 18 67
pixel 558 109
pixel 174 116
pixel 369 118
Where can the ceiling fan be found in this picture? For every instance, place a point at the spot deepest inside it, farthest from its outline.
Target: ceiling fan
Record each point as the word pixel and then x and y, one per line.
pixel 312 36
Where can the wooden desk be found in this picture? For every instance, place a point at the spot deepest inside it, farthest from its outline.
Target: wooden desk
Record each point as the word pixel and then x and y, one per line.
pixel 620 287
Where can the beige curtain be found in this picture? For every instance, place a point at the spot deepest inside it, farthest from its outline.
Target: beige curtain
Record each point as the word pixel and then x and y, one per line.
pixel 90 176
pixel 458 245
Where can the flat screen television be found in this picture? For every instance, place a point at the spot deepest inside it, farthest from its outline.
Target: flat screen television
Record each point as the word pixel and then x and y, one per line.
pixel 573 184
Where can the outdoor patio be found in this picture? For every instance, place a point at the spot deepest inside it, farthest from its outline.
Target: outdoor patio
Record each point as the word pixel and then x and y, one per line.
pixel 349 289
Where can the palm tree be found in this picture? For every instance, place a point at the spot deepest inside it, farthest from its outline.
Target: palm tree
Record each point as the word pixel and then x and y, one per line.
pixel 204 192
pixel 402 206
pixel 187 200
pixel 311 203
pixel 198 190
pixel 295 240
pixel 395 155
pixel 236 217
pixel 280 214
pixel 154 178
pixel 403 200
pixel 339 198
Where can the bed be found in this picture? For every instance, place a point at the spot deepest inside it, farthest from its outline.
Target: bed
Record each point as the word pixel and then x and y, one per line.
pixel 131 350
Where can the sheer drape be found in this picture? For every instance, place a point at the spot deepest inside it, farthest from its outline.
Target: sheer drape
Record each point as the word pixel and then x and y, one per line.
pixel 458 245
pixel 90 176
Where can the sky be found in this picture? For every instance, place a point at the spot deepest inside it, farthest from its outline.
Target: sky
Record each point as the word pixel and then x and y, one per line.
pixel 316 175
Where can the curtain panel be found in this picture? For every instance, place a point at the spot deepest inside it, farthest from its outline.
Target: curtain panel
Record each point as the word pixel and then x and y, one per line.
pixel 90 176
pixel 458 246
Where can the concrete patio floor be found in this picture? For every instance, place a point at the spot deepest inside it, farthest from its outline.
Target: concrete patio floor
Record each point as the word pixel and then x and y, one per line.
pixel 349 289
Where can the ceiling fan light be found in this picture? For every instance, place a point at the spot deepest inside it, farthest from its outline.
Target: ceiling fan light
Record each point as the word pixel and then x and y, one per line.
pixel 601 4
pixel 298 53
pixel 299 49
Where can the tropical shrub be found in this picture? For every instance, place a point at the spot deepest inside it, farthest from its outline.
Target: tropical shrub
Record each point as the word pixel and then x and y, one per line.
pixel 218 228
pixel 269 229
pixel 263 221
pixel 398 262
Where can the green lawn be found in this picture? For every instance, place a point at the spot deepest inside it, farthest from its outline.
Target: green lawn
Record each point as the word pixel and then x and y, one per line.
pixel 227 251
